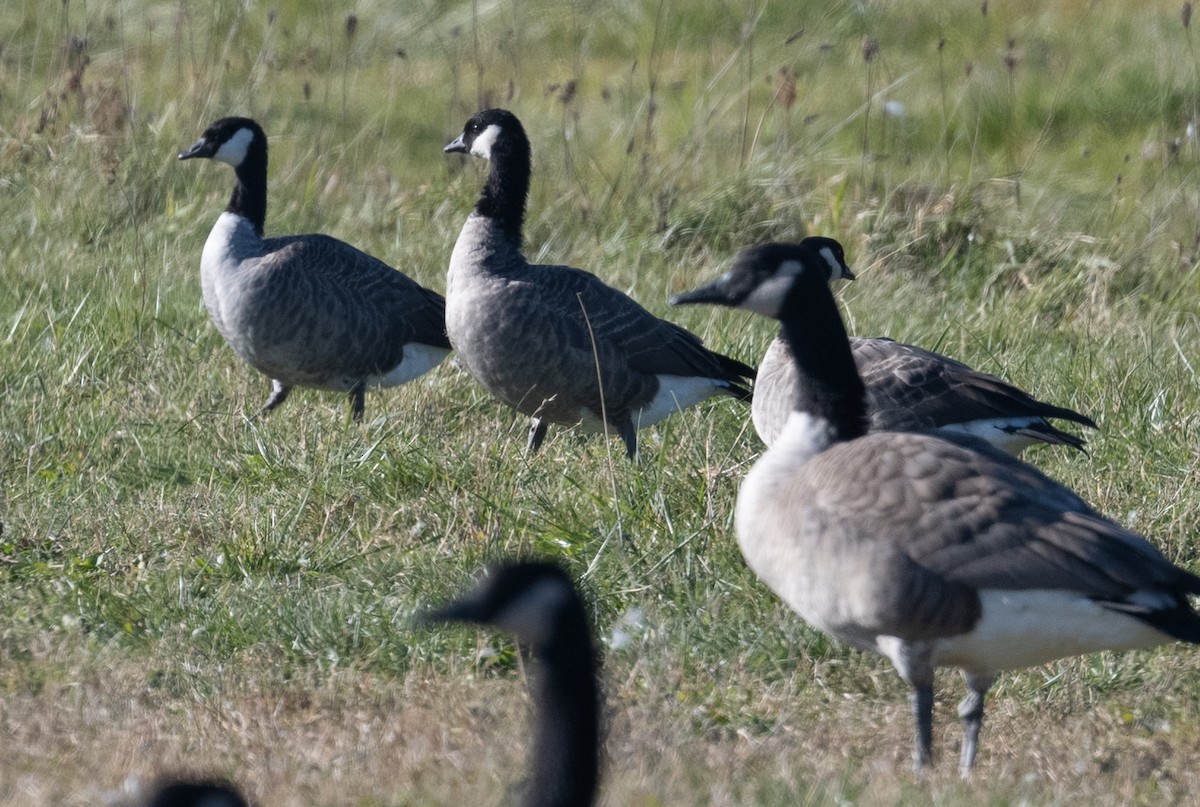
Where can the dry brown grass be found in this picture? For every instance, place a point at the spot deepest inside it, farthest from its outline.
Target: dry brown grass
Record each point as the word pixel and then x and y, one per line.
pixel 99 730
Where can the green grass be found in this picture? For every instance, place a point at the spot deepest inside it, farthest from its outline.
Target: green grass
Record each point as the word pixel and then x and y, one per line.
pixel 183 588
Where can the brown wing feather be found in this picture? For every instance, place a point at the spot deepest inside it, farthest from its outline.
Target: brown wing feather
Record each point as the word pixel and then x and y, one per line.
pixel 966 511
pixel 355 315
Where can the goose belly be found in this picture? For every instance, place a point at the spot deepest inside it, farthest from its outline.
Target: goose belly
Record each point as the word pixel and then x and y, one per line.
pixel 517 356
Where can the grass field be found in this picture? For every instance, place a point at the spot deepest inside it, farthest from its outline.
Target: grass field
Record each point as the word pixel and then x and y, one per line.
pixel 182 588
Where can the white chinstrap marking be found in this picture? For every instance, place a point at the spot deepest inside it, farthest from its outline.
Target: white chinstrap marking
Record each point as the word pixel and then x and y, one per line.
pixel 767 297
pixel 482 145
pixel 837 269
pixel 234 150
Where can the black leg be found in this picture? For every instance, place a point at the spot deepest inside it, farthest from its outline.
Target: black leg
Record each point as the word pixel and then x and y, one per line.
pixel 279 394
pixel 970 709
pixel 922 706
pixel 629 434
pixel 358 395
pixel 537 433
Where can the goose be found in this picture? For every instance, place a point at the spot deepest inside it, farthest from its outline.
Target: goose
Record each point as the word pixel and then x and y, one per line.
pixel 913 389
pixel 195 793
pixel 554 342
pixel 307 310
pixel 930 549
pixel 537 603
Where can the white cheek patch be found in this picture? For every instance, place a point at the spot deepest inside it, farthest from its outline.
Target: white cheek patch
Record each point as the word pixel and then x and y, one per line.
pixel 234 150
pixel 482 145
pixel 837 269
pixel 530 617
pixel 767 297
pixel 791 268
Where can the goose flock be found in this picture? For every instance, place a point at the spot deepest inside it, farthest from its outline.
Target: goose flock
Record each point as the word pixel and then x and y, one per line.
pixel 889 510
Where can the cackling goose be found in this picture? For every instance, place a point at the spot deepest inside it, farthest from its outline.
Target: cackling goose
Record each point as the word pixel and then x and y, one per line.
pixel 307 310
pixel 554 342
pixel 932 549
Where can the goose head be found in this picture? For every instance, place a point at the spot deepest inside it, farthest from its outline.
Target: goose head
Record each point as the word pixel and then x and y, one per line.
pixel 528 600
pixel 762 277
pixel 229 140
pixel 485 131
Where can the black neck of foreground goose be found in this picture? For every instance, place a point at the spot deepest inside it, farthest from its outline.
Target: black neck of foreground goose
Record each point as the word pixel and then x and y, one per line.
pixel 249 197
pixel 507 187
pixel 829 387
pixel 538 604
pixel 195 793
pixel 565 749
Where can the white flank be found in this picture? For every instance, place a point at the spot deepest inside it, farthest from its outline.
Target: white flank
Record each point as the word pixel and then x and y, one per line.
pixel 994 431
pixel 1025 628
pixel 418 360
pixel 675 392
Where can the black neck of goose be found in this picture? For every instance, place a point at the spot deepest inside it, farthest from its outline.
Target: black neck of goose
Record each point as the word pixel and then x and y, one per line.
pixel 566 749
pixel 249 198
pixel 829 387
pixel 503 196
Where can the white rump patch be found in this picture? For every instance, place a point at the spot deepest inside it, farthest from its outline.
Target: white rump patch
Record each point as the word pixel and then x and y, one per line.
pixel 482 145
pixel 1026 628
pixel 234 150
pixel 418 360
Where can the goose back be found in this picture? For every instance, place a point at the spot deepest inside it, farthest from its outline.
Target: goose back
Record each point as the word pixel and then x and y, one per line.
pixel 913 389
pixel 535 334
